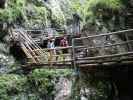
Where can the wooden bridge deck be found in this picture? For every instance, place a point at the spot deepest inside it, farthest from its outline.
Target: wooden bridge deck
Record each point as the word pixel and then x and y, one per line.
pixel 109 49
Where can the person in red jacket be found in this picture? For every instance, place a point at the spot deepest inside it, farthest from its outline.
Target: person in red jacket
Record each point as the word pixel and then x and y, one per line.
pixel 64 43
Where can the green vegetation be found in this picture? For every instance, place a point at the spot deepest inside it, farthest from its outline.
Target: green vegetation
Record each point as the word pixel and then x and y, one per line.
pixel 92 88
pixel 36 15
pixel 22 11
pixel 33 13
pixel 107 4
pixel 91 10
pixel 11 85
pixel 44 80
pixel 103 14
pixel 14 10
pixel 39 83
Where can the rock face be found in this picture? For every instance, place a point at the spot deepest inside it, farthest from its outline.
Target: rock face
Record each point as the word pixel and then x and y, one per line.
pixel 129 16
pixel 63 89
pixel 2 3
pixel 6 60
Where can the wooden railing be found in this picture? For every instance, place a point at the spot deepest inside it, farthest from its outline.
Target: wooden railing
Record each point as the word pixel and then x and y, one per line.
pixel 97 53
pixel 103 49
pixel 58 58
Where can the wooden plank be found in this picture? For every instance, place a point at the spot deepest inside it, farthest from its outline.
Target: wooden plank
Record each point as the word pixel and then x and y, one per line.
pixel 53 56
pixel 106 64
pixel 41 30
pixel 48 62
pixel 103 61
pixel 106 56
pixel 47 66
pixel 56 48
pixel 32 53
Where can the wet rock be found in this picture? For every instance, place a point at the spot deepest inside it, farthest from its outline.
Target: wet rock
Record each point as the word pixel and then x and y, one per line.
pixel 63 89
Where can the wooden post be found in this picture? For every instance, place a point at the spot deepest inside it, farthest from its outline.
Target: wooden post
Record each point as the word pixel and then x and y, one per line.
pixel 73 53
pixel 128 44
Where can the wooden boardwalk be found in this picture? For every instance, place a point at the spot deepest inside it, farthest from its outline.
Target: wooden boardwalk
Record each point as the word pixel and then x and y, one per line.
pixel 104 50
pixel 108 49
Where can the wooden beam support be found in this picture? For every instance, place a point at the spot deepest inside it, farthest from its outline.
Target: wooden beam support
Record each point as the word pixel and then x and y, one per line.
pixel 27 53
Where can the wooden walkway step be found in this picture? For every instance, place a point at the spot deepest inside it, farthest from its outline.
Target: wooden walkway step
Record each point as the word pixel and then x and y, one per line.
pixel 80 56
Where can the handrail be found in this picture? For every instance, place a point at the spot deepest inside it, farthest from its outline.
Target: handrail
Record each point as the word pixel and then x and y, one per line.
pixel 53 56
pixel 56 48
pixel 103 61
pixel 110 45
pixel 105 34
pixel 50 62
pixel 106 56
pixel 73 59
pixel 38 29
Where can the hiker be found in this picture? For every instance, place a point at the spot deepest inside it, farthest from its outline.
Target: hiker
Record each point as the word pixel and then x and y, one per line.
pixel 51 46
pixel 64 43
